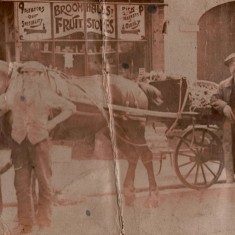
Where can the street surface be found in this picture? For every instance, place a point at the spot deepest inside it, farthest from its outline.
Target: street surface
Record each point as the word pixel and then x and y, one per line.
pixel 86 201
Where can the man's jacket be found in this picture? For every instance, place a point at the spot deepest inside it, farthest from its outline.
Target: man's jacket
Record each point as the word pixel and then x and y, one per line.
pixel 222 96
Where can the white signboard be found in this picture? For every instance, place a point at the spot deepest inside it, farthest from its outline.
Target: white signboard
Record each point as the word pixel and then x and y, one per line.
pixel 131 22
pixel 101 19
pixel 68 18
pixel 34 21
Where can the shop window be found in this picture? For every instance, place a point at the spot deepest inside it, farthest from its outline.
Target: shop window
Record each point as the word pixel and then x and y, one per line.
pixel 70 56
pixel 79 38
pixel 36 51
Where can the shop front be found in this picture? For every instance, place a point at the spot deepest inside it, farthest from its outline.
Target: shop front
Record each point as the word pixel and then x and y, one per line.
pixel 81 37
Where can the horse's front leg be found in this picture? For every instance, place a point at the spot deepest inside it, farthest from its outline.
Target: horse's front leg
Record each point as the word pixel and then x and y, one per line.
pixel 129 188
pixel 153 198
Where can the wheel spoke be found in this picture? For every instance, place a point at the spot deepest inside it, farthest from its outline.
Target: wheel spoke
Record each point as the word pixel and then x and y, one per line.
pixel 209 169
pixel 203 173
pixel 185 164
pixel 190 141
pixel 203 136
pixel 213 161
pixel 189 146
pixel 195 181
pixel 185 154
pixel 213 139
pixel 186 176
pixel 194 138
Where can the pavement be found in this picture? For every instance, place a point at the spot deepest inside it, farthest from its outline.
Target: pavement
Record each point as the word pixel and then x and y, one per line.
pixel 87 202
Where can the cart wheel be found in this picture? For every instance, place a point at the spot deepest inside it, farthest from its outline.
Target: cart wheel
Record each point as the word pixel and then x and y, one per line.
pixel 199 158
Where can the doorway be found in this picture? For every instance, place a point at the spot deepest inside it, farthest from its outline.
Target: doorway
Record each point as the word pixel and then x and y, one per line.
pixel 216 40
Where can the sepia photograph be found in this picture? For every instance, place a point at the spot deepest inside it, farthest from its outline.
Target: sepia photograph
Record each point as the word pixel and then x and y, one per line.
pixel 117 117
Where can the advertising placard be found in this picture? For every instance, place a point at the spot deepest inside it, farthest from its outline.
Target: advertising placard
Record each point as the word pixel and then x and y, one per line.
pixel 101 19
pixel 68 18
pixel 131 23
pixel 34 21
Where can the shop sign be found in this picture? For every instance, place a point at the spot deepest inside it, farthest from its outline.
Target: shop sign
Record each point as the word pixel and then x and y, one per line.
pixel 68 18
pixel 34 21
pixel 101 19
pixel 131 23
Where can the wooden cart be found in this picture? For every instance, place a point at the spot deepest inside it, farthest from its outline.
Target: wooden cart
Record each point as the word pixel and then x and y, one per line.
pixel 198 155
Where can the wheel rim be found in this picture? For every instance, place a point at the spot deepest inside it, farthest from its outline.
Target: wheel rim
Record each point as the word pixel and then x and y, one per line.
pixel 199 158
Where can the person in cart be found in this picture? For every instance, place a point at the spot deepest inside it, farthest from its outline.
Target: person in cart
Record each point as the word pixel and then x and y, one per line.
pixel 224 102
pixel 30 104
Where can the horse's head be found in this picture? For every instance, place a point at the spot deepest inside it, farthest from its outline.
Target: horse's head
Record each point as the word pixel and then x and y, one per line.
pixel 153 94
pixel 5 72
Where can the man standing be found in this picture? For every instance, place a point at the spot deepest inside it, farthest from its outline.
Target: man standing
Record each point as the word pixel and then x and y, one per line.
pixel 224 102
pixel 30 101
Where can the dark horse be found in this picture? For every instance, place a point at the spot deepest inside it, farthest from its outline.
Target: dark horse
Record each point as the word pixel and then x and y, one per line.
pixel 92 95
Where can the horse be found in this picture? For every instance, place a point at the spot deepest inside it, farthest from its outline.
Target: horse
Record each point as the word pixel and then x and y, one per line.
pixel 91 96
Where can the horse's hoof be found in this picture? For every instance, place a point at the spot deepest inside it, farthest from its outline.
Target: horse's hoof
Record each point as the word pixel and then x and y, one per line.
pixel 149 203
pixel 129 201
pixel 129 195
pixel 153 200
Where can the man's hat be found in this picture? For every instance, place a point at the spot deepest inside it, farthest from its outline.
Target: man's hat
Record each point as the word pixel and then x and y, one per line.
pixel 229 59
pixel 32 66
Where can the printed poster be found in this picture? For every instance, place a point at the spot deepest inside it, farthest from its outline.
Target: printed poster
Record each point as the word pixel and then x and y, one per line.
pixel 68 18
pixel 131 23
pixel 34 20
pixel 101 19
